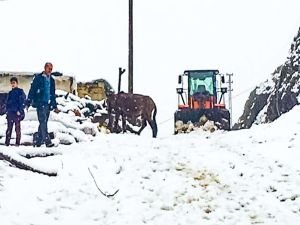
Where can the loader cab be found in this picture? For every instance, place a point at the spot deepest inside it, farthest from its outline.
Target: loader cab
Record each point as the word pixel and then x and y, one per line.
pixel 199 89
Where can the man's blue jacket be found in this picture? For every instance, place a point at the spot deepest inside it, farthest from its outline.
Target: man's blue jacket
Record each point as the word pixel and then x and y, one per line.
pixel 37 92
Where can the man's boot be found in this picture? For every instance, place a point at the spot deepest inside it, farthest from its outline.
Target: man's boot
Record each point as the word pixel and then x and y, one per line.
pixel 7 141
pixel 48 141
pixel 8 137
pixel 49 145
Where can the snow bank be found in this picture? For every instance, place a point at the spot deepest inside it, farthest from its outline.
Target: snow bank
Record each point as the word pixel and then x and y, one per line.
pixel 73 124
pixel 240 177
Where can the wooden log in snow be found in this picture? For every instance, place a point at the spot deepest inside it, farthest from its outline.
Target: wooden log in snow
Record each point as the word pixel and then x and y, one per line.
pixel 38 154
pixel 23 163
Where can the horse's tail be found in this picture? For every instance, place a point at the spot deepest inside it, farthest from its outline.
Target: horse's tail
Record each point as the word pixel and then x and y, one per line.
pixel 154 112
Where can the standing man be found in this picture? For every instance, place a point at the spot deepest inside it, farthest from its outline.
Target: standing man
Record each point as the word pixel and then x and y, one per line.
pixel 14 111
pixel 42 97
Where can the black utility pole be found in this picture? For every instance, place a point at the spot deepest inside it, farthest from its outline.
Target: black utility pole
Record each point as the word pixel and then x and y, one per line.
pixel 130 52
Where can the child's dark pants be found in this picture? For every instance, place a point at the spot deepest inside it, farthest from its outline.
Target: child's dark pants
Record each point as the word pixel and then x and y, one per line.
pixel 13 118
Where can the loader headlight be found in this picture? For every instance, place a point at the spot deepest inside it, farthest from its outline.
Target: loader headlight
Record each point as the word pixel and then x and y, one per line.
pixel 224 90
pixel 179 90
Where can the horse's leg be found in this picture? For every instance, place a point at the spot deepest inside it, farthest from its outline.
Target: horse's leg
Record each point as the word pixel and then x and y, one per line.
pixel 111 122
pixel 144 124
pixel 116 123
pixel 124 124
pixel 153 126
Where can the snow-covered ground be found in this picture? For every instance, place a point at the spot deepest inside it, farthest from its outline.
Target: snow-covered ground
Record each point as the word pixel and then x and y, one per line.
pixel 239 177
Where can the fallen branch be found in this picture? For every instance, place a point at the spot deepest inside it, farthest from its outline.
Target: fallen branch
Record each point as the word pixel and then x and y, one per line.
pixel 23 163
pixel 103 193
pixel 28 156
pixel 38 154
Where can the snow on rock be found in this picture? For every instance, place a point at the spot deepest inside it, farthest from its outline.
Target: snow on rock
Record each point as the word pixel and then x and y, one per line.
pixel 266 87
pixel 65 139
pixel 69 102
pixel 277 95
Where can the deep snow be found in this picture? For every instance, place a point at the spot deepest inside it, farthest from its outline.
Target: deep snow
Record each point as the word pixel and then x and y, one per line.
pixel 239 177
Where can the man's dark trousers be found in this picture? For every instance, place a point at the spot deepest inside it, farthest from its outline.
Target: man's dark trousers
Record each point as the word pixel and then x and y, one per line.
pixel 12 119
pixel 43 113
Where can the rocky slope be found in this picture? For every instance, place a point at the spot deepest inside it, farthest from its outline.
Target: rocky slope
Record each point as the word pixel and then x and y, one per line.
pixel 277 95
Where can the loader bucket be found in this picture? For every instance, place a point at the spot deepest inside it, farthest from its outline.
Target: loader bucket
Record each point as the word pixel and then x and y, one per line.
pixel 221 117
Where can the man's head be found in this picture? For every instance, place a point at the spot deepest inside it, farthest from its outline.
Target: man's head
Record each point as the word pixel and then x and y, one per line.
pixel 48 68
pixel 14 82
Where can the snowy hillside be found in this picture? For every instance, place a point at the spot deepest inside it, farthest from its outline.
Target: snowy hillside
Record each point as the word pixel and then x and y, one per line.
pixel 239 177
pixel 277 95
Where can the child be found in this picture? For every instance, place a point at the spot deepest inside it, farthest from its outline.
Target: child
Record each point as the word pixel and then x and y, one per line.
pixel 15 111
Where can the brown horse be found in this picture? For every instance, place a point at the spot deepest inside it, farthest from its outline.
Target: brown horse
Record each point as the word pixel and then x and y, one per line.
pixel 134 108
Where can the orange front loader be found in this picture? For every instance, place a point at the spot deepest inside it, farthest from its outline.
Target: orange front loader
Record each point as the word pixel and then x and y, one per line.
pixel 201 93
